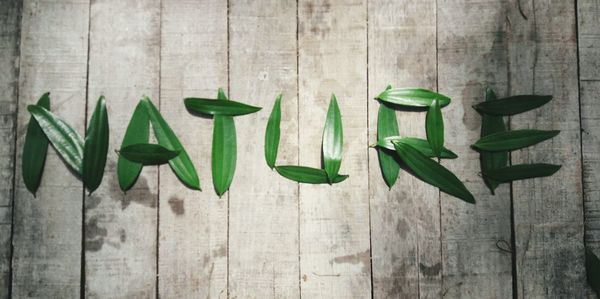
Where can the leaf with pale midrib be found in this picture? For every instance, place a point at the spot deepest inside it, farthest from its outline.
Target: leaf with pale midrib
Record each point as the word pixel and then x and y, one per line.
pixel 224 150
pixel 67 142
pixel 272 133
pixel 412 97
pixel 307 175
pixel 333 140
pixel 432 172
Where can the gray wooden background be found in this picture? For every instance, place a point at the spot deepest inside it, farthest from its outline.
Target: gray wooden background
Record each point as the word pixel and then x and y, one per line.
pixel 272 238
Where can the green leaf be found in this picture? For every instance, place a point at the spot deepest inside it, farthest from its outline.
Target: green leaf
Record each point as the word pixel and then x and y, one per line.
pixel 138 131
pixel 414 97
pixel 307 175
pixel 419 144
pixel 224 150
pixel 512 105
pixel 387 125
pixel 148 153
pixel 432 172
pixel 492 160
pixel 182 165
pixel 218 107
pixel 272 133
pixel 592 269
pixel 96 147
pixel 67 142
pixel 333 140
pixel 434 125
pixel 521 172
pixel 35 150
pixel 512 140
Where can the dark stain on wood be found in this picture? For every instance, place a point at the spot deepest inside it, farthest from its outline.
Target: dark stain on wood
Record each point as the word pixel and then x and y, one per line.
pixel 177 205
pixel 122 235
pixel 318 25
pixel 220 252
pixel 94 235
pixel 363 258
pixel 430 270
pixel 402 228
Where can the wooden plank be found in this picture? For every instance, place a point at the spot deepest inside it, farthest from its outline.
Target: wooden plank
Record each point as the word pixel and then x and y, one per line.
pixel 472 51
pixel 120 229
pixel 193 224
pixel 47 229
pixel 10 32
pixel 334 220
pixel 405 221
pixel 588 16
pixel 263 207
pixel 548 211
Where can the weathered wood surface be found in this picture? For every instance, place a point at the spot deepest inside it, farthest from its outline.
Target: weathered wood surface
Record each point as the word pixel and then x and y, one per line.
pixel 472 52
pixel 263 209
pixel 334 220
pixel 405 221
pixel 548 212
pixel 120 228
pixel 10 31
pixel 588 15
pixel 269 237
pixel 48 228
pixel 192 252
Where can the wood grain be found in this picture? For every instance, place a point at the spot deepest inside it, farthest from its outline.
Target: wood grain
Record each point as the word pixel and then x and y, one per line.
pixel 47 229
pixel 10 32
pixel 334 220
pixel 269 237
pixel 588 16
pixel 548 211
pixel 263 206
pixel 405 223
pixel 120 228
pixel 472 51
pixel 192 252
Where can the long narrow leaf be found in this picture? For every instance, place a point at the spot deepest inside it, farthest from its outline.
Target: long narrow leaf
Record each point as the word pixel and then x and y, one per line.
pixel 35 150
pixel 182 165
pixel 434 125
pixel 592 268
pixel 387 125
pixel 512 140
pixel 522 172
pixel 307 175
pixel 512 105
pixel 96 147
pixel 272 133
pixel 413 97
pixel 432 172
pixel 148 153
pixel 419 144
pixel 138 131
pixel 218 107
pixel 492 160
pixel 67 142
pixel 333 140
pixel 224 150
